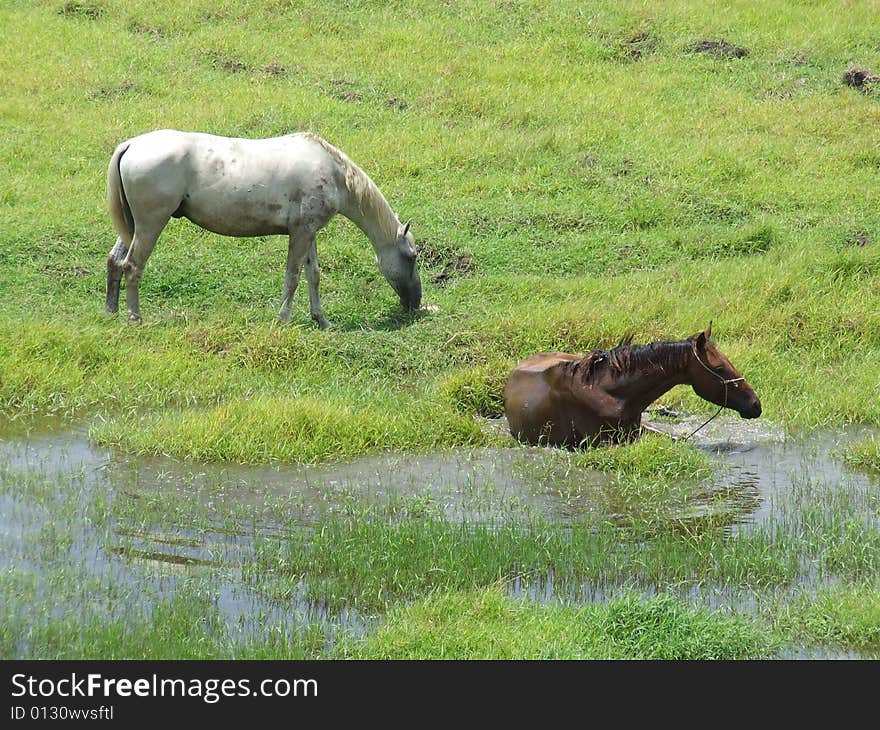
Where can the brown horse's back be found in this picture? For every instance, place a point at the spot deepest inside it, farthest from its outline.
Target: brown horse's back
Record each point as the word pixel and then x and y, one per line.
pixel 537 402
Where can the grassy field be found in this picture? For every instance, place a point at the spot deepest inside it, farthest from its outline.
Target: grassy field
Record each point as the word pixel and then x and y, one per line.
pixel 573 172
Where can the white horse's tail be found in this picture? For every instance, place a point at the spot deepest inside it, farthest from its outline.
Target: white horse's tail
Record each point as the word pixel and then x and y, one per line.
pixel 120 212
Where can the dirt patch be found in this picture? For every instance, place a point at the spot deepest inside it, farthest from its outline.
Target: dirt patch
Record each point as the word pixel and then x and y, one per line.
pixel 638 45
pixel 459 265
pixel 233 66
pixel 62 271
pixel 800 58
pixel 860 78
pixel 857 237
pixel 274 69
pixel 107 92
pixel 345 90
pixel 220 61
pixel 445 263
pixel 718 48
pixel 625 167
pixel 140 28
pixel 395 103
pixel 81 10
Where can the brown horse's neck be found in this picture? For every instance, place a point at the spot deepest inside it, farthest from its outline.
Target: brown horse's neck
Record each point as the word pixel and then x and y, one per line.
pixel 644 373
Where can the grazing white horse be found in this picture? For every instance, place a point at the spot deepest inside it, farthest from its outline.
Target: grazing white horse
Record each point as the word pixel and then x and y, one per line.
pixel 289 185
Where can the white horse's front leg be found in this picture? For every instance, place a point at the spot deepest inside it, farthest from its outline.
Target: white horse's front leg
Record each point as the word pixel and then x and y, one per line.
pixel 313 276
pixel 297 248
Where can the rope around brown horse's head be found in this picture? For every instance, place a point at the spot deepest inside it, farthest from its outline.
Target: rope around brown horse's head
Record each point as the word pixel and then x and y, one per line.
pixel 724 381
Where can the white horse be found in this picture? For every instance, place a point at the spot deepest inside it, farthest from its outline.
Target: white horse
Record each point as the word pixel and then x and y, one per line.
pixel 288 185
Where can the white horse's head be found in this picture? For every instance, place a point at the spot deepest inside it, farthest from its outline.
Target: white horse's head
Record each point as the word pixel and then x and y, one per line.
pixel 397 262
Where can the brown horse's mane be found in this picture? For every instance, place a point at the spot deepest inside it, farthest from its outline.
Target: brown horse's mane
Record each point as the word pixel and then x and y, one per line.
pixel 627 359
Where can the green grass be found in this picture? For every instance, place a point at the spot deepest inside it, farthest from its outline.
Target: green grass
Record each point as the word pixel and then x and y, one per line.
pixel 864 454
pixel 650 457
pixel 487 624
pixel 294 429
pixel 839 616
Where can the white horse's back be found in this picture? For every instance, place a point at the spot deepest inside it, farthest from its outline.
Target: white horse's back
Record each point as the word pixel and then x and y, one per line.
pixel 232 186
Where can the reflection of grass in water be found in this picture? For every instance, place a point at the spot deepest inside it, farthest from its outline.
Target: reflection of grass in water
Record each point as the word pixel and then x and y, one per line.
pixel 87 618
pixel 653 481
pixel 65 595
pixel 371 564
pixel 372 557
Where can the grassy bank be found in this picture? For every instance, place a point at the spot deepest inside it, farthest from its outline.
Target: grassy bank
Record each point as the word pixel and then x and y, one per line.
pixel 567 186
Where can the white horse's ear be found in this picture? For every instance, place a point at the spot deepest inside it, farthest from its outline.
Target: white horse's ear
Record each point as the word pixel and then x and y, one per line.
pixel 406 227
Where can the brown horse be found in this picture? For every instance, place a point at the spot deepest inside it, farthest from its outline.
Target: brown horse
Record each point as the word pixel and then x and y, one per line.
pixel 573 400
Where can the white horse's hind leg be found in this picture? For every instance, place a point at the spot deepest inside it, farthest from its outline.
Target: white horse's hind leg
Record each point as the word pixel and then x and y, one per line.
pixel 313 276
pixel 114 275
pixel 142 245
pixel 297 248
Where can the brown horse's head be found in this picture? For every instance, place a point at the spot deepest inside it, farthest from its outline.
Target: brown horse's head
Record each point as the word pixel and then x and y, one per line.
pixel 714 378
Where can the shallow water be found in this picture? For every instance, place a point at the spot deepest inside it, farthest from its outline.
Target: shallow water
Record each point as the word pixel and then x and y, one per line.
pixel 233 503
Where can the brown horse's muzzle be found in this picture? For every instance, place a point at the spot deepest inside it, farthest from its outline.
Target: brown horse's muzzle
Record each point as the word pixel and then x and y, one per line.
pixel 751 409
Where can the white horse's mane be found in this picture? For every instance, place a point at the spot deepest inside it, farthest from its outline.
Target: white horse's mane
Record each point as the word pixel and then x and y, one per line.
pixel 370 200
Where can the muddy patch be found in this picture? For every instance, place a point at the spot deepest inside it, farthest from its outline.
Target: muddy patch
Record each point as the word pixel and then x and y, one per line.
pixel 110 92
pixel 138 27
pixel 274 69
pixel 857 237
pixel 638 45
pixel 81 10
pixel 396 104
pixel 346 90
pixel 861 79
pixel 457 265
pixel 220 61
pixel 718 49
pixel 445 263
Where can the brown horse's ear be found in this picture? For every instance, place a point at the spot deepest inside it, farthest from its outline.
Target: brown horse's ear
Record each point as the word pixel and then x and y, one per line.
pixel 704 336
